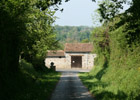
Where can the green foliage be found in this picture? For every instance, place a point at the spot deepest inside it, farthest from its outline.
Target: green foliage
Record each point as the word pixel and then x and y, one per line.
pixel 26 30
pixel 85 41
pixel 116 75
pixel 12 28
pixel 108 9
pixel 100 39
pixel 28 84
pixel 119 81
pixel 39 35
pixel 133 20
pixel 72 33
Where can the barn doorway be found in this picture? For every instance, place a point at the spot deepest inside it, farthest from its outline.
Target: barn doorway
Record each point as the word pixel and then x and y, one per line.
pixel 76 61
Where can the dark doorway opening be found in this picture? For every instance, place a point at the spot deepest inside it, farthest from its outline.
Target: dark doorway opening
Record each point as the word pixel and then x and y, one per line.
pixel 76 61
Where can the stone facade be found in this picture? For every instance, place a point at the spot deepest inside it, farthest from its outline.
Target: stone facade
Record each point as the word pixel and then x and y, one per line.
pixel 58 62
pixel 87 59
pixel 67 60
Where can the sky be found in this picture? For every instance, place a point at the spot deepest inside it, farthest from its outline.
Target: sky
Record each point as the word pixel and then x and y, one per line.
pixel 77 13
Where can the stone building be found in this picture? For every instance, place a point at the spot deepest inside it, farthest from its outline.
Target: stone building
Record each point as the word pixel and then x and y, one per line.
pixel 75 55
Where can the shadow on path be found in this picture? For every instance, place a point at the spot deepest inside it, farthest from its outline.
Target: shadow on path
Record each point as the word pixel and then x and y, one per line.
pixel 70 88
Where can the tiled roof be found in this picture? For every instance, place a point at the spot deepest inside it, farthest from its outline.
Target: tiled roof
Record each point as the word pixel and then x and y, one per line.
pixel 78 47
pixel 55 53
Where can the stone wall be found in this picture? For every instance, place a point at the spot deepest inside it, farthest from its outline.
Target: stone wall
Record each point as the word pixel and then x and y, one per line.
pixel 58 62
pixel 65 62
pixel 87 59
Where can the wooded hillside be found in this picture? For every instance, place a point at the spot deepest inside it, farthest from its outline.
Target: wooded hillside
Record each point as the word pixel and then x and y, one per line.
pixel 73 33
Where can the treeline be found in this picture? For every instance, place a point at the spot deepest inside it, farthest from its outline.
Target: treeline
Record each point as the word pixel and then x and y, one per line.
pixel 73 33
pixel 116 75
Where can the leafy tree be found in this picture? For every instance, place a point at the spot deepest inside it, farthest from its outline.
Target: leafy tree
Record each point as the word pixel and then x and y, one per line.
pixel 26 30
pixel 43 36
pixel 110 9
pixel 132 16
pixel 12 28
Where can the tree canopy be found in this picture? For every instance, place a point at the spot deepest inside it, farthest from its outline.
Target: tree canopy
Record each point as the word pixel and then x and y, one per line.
pixel 25 30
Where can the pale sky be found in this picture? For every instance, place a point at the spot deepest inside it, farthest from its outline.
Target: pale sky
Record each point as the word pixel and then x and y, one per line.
pixel 77 13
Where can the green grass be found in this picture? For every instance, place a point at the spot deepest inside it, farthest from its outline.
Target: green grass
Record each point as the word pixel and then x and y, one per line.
pixel 28 84
pixel 119 80
pixel 117 84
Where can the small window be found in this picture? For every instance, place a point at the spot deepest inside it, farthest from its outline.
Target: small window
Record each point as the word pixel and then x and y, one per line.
pixel 60 57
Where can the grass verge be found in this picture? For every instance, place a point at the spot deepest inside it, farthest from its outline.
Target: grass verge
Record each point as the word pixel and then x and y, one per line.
pixel 112 83
pixel 28 84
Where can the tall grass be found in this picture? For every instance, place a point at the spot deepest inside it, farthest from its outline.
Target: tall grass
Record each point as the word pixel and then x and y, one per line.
pixel 28 84
pixel 120 79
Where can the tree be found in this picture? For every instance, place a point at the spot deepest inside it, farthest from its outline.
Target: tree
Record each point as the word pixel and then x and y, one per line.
pixel 110 9
pixel 24 28
pixel 12 27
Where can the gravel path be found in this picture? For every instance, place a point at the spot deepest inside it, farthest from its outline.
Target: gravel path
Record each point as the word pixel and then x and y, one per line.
pixel 70 88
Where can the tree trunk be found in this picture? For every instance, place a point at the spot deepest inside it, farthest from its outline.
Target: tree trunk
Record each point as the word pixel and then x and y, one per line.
pixel 9 55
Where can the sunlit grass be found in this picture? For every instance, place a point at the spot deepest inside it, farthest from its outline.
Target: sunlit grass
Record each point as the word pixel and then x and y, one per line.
pixel 115 84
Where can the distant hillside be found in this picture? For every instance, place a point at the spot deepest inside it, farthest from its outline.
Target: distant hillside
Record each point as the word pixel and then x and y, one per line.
pixel 73 33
